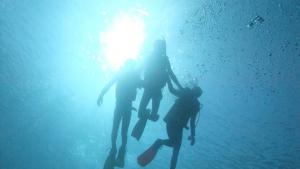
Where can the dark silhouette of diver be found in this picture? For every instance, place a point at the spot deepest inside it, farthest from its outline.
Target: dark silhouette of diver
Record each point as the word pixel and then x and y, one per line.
pixel 127 82
pixel 185 108
pixel 157 70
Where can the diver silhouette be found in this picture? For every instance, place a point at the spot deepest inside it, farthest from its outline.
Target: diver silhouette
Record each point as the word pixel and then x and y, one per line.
pixel 185 108
pixel 157 70
pixel 127 82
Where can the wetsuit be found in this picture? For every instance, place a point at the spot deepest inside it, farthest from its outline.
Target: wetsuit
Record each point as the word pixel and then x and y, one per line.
pixel 155 78
pixel 126 89
pixel 183 110
pixel 127 82
pixel 178 116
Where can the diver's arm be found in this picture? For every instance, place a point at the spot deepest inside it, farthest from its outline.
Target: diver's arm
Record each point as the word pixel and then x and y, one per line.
pixel 104 90
pixel 193 126
pixel 174 91
pixel 173 76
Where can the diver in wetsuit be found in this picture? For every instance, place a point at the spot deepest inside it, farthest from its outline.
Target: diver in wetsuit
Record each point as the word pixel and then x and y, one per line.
pixel 157 70
pixel 185 109
pixel 127 82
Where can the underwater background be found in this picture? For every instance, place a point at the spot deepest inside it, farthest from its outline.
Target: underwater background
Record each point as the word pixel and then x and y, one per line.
pixel 245 54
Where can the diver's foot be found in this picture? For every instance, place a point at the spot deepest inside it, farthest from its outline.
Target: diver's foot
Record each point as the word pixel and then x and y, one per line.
pixel 120 161
pixel 153 117
pixel 157 144
pixel 110 160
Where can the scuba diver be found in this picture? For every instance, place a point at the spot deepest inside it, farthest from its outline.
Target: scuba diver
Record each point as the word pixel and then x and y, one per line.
pixel 127 82
pixel 157 70
pixel 185 108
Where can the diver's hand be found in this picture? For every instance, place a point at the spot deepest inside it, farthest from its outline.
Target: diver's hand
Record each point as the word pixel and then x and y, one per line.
pixel 192 139
pixel 100 100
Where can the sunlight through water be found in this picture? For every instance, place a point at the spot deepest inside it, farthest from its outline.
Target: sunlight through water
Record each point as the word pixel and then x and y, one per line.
pixel 122 40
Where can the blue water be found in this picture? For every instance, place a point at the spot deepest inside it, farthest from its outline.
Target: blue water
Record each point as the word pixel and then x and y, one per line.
pixel 50 80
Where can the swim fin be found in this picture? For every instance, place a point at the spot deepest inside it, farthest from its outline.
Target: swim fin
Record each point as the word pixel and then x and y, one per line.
pixel 110 161
pixel 146 157
pixel 139 128
pixel 140 125
pixel 120 161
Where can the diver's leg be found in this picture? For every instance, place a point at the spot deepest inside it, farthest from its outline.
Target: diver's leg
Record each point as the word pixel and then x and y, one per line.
pixel 166 142
pixel 163 142
pixel 143 104
pixel 170 141
pixel 116 124
pixel 171 132
pixel 175 156
pixel 143 115
pixel 156 98
pixel 176 142
pixel 125 124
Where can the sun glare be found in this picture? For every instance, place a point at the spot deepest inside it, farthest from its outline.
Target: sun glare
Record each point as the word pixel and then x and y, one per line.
pixel 123 40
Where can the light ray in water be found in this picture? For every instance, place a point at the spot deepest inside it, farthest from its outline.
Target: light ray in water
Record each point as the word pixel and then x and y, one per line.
pixel 122 40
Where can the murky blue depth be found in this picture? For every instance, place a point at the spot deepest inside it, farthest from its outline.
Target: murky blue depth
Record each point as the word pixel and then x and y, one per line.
pixel 245 55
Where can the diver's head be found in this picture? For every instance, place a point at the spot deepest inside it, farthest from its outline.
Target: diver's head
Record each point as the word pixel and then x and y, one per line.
pixel 160 46
pixel 197 91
